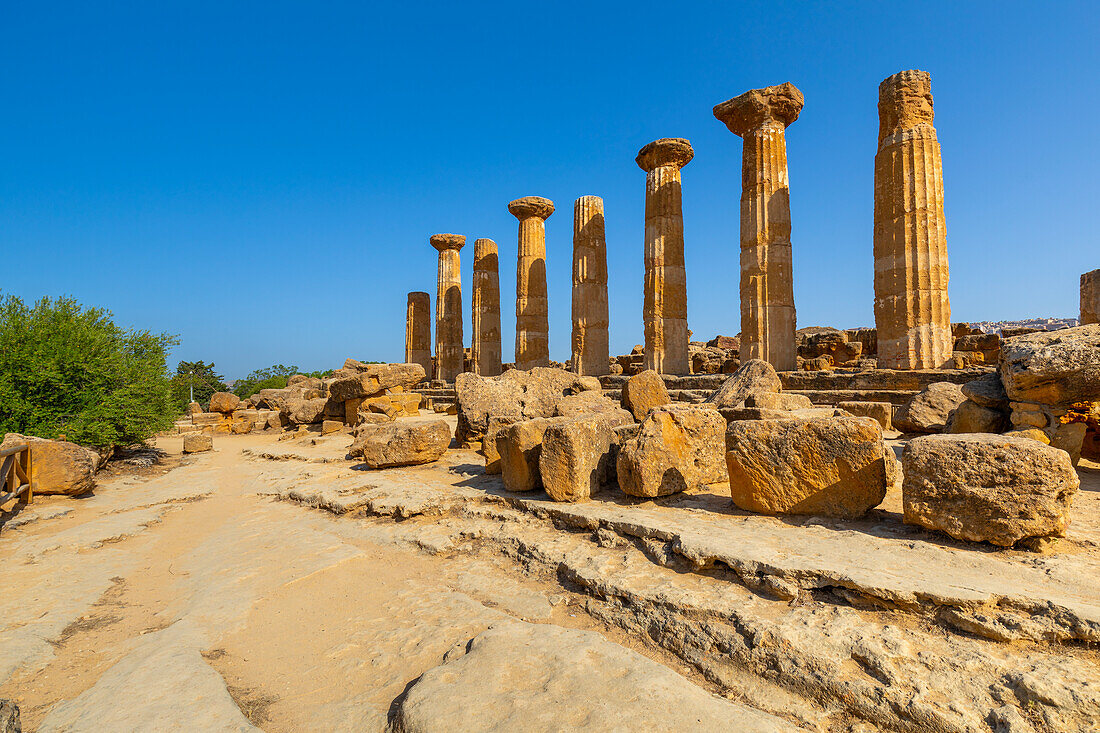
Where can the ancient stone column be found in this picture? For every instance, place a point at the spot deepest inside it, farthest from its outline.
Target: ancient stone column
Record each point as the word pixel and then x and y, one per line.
pixel 418 331
pixel 664 308
pixel 912 311
pixel 448 307
pixel 485 350
pixel 532 323
pixel 760 117
pixel 1090 297
pixel 591 353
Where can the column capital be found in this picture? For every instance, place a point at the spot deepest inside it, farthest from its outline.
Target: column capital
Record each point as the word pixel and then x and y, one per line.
pixel 675 151
pixel 904 101
pixel 756 107
pixel 529 206
pixel 444 242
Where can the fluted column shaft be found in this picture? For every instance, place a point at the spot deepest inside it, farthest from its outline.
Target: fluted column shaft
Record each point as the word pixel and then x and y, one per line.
pixel 591 353
pixel 485 348
pixel 1090 297
pixel 912 309
pixel 760 117
pixel 448 308
pixel 418 331
pixel 532 320
pixel 664 305
pixel 767 277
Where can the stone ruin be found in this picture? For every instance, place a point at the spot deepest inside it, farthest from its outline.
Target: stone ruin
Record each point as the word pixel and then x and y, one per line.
pixel 789 405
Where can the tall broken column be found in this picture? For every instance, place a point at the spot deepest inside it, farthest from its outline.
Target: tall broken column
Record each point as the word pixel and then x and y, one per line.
pixel 448 307
pixel 664 308
pixel 1090 297
pixel 485 348
pixel 418 331
pixel 912 311
pixel 532 323
pixel 591 353
pixel 760 117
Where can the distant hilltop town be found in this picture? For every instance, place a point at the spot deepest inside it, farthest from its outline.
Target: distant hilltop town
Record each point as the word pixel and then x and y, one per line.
pixel 1038 324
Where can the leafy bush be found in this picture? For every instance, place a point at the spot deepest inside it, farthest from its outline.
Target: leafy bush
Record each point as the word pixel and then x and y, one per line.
pixel 197 376
pixel 69 371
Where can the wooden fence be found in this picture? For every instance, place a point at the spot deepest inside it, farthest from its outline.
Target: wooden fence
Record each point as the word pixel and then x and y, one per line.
pixel 18 476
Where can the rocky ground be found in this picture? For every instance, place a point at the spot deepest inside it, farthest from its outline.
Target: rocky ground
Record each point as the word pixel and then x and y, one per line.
pixel 269 584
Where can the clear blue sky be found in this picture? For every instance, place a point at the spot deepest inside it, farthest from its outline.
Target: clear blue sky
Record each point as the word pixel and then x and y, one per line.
pixel 262 178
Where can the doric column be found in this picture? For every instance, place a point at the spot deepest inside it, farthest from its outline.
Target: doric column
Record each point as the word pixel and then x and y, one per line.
pixel 418 331
pixel 760 117
pixel 664 309
pixel 912 311
pixel 448 307
pixel 532 323
pixel 1090 297
pixel 591 353
pixel 485 349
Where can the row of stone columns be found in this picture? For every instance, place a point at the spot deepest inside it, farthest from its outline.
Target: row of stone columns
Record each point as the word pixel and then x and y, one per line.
pixel 912 310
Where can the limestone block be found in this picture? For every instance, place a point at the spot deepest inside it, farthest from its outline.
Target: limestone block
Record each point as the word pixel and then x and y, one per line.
pixel 970 417
pixel 1053 367
pixel 881 412
pixel 386 445
pixel 643 392
pixel 197 443
pixel 63 467
pixel 833 466
pixel 331 426
pixel 207 418
pixel 987 391
pixel 678 447
pixel 305 412
pixel 489 444
pixel 519 446
pixel 778 401
pixel 1090 297
pixel 418 331
pixel 223 402
pixel 575 458
pixel 987 488
pixel 753 377
pixel 930 409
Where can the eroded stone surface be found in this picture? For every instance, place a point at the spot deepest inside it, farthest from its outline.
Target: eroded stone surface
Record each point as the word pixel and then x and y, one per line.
pixel 753 377
pixel 418 331
pixel 448 307
pixel 532 324
pixel 836 466
pixel 387 445
pixel 538 678
pixel 485 348
pixel 929 411
pixel 678 447
pixel 643 392
pixel 590 349
pixel 987 488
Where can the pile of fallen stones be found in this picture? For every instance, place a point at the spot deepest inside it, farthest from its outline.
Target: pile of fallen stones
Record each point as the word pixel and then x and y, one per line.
pixel 553 430
pixel 355 394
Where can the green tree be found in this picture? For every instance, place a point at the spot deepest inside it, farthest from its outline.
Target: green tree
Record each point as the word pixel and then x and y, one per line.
pixel 199 376
pixel 69 371
pixel 272 377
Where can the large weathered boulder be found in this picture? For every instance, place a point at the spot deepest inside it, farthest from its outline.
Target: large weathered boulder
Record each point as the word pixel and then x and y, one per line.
pixel 930 409
pixel 881 412
pixel 197 443
pixel 528 678
pixel 516 393
pixel 575 461
pixel 1053 367
pixel 678 447
pixel 224 402
pixel 385 445
pixel 63 467
pixel 987 488
pixel 489 442
pixel 193 407
pixel 832 466
pixel 519 446
pixel 779 401
pixel 753 377
pixel 987 391
pixel 372 379
pixel 970 417
pixel 588 403
pixel 301 380
pixel 643 392
pixel 305 412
